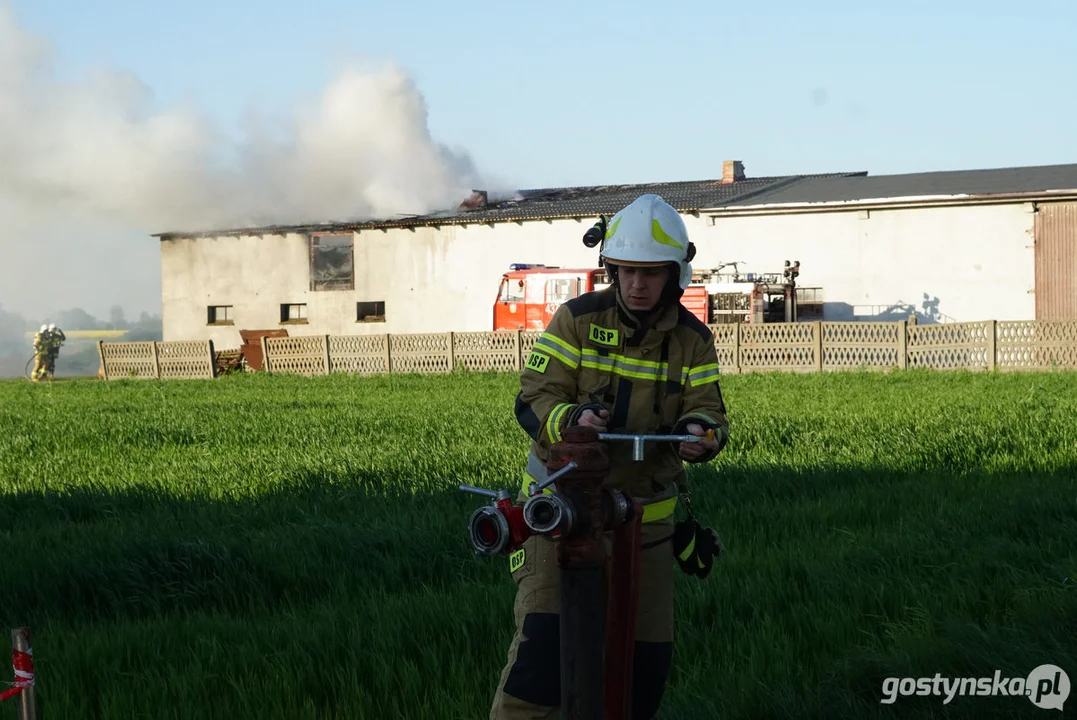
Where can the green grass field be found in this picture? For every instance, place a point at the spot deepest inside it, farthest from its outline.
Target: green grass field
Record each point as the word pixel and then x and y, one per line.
pixel 265 546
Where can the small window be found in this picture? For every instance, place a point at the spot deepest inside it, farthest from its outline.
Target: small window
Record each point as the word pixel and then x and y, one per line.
pixel 512 290
pixel 219 315
pixel 370 311
pixel 561 290
pixel 293 313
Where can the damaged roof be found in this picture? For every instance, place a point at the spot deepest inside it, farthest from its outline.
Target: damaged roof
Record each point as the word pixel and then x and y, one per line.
pixel 920 186
pixel 743 195
pixel 546 204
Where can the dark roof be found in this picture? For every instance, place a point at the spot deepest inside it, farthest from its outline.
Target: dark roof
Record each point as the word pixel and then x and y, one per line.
pixel 1002 181
pixel 549 203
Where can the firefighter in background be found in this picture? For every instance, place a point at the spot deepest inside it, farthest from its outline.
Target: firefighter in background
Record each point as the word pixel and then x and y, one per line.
pixel 56 341
pixel 47 343
pixel 41 353
pixel 626 359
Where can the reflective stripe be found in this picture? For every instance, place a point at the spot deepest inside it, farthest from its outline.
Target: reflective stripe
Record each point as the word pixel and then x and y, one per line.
pixel 610 358
pixel 553 421
pixel 659 510
pixel 688 550
pixel 703 374
pixel 626 367
pixel 612 229
pixel 662 237
pixel 559 349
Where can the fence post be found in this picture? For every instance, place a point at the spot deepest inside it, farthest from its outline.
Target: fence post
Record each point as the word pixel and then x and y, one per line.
pixel 736 346
pixel 388 356
pixel 452 351
pixel 992 345
pixel 212 360
pixel 903 344
pixel 156 361
pixel 520 349
pixel 101 355
pixel 26 704
pixel 265 355
pixel 817 329
pixel 325 354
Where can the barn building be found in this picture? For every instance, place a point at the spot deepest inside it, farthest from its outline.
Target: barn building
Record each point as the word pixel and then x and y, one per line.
pixel 997 244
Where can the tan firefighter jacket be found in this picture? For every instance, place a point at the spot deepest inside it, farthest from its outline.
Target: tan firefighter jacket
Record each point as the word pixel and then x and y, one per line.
pixel 594 354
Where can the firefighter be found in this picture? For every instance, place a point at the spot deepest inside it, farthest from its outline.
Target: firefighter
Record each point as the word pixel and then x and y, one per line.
pixel 56 340
pixel 41 354
pixel 626 359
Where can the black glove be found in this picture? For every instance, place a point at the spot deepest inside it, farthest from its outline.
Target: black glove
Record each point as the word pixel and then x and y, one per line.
pixel 695 547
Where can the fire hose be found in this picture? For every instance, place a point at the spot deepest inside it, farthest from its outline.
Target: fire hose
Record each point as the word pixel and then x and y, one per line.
pixel 598 590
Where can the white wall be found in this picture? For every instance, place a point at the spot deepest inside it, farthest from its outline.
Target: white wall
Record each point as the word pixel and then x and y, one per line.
pixel 431 280
pixel 977 260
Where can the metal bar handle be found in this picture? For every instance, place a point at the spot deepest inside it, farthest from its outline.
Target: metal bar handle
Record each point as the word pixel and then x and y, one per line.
pixel 553 478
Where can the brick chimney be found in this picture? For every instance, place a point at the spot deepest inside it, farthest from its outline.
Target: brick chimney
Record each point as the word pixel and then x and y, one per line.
pixel 732 170
pixel 477 200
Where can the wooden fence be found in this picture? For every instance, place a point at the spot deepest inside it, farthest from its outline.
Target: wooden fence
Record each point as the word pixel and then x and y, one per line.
pixel 783 347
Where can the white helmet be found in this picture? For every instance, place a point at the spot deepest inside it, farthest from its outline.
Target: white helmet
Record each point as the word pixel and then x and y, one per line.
pixel 44 328
pixel 647 233
pixel 52 326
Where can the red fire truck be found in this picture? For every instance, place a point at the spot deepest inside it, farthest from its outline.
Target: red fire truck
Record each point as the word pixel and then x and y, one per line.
pixel 530 294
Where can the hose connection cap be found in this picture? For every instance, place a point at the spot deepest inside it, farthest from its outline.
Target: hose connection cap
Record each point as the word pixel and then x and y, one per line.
pixel 489 531
pixel 547 513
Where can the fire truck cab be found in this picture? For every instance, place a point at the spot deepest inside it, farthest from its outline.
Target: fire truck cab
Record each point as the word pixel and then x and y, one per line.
pixel 530 293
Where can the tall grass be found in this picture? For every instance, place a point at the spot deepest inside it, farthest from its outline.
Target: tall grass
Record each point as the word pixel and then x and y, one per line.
pixel 267 546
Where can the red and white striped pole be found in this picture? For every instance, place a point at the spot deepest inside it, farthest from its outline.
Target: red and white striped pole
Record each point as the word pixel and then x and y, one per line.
pixel 22 660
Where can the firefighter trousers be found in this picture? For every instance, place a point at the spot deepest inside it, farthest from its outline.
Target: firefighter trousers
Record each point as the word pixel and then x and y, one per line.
pixel 530 683
pixel 41 366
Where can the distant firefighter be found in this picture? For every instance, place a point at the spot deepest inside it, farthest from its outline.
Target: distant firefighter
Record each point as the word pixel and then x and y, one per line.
pixel 47 343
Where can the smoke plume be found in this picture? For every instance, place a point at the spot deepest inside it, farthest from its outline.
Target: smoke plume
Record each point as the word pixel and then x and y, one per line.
pixel 100 147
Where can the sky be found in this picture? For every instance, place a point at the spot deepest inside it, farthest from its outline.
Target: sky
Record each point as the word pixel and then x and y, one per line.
pixel 119 119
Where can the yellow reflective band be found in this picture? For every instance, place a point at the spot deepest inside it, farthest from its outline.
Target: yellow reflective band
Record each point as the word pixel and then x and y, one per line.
pixel 559 349
pixel 659 510
pixel 612 228
pixel 604 336
pixel 704 374
pixel 553 422
pixel 662 237
pixel 688 550
pixel 704 368
pixel 537 361
pixel 625 372
pixel 625 360
pixel 569 350
pixel 516 560
pixel 627 367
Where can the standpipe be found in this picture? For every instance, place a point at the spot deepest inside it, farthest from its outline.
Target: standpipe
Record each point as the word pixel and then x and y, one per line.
pixel 599 578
